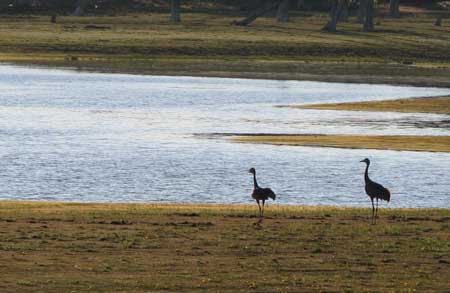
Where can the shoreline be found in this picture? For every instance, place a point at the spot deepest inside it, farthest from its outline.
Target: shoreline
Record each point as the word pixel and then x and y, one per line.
pixel 198 69
pixel 228 207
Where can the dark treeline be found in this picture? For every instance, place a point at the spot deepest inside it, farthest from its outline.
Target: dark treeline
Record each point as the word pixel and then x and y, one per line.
pixel 93 7
pixel 105 6
pixel 250 10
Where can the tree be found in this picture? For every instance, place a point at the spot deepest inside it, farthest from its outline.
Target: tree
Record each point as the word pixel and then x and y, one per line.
pixel 283 11
pixel 438 21
pixel 368 18
pixel 445 5
pixel 336 9
pixel 22 5
pixel 79 8
pixel 362 11
pixel 343 16
pixel 394 8
pixel 260 11
pixel 175 11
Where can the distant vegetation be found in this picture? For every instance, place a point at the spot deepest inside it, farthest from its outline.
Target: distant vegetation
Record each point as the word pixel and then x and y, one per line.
pixel 197 38
pixel 339 10
pixel 99 7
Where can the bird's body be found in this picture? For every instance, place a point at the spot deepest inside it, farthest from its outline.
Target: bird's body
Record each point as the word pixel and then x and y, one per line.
pixel 375 190
pixel 261 194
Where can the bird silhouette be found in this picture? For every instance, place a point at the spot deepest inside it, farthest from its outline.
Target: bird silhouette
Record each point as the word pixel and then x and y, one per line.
pixel 375 190
pixel 260 194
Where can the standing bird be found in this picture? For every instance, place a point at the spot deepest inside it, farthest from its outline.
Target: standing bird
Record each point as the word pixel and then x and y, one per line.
pixel 374 190
pixel 260 194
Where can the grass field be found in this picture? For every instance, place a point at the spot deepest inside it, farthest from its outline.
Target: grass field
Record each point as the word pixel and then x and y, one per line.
pixel 437 105
pixel 56 247
pixel 406 51
pixel 381 142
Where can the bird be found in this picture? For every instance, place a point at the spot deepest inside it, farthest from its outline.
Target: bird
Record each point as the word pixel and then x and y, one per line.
pixel 260 194
pixel 374 190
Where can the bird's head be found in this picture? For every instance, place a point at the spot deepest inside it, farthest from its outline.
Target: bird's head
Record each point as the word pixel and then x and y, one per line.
pixel 366 160
pixel 252 170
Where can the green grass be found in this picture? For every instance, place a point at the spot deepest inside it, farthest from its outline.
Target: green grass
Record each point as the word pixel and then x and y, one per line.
pixel 205 44
pixel 211 35
pixel 56 247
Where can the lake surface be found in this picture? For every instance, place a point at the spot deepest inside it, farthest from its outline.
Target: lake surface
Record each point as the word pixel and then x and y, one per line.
pixel 89 137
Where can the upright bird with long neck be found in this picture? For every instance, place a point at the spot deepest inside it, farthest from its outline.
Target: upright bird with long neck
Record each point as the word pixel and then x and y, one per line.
pixel 260 194
pixel 374 190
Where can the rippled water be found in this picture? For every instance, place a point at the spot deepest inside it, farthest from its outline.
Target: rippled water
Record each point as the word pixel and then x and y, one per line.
pixel 75 136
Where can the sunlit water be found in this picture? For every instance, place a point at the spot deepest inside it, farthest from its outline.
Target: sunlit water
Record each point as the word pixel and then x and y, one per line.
pixel 75 136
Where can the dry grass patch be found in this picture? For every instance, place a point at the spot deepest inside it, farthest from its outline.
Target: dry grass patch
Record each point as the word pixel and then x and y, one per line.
pixel 385 142
pixel 438 105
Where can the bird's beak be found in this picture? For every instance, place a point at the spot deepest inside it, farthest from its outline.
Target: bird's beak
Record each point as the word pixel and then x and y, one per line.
pixel 362 161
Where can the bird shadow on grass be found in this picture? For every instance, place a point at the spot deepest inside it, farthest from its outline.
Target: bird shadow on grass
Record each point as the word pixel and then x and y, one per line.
pixel 258 224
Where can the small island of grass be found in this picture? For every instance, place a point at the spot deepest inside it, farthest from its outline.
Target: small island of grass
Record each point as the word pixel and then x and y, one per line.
pixel 436 105
pixel 384 142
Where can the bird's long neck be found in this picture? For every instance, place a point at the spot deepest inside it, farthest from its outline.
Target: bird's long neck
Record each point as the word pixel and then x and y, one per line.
pixel 366 174
pixel 255 184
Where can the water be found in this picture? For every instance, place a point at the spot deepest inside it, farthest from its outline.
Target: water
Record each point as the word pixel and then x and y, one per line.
pixel 90 137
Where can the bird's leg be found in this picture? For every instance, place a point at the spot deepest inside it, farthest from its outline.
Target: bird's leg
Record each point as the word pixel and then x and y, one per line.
pixel 376 211
pixel 264 202
pixel 373 210
pixel 257 201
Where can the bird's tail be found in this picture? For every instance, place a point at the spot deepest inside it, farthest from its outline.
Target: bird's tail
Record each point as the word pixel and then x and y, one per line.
pixel 387 195
pixel 273 196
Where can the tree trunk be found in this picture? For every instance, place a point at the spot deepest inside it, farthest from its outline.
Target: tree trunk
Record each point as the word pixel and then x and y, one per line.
pixel 335 12
pixel 79 11
pixel 343 16
pixel 438 21
pixel 362 11
pixel 368 19
pixel 394 8
pixel 175 11
pixel 283 11
pixel 257 13
pixel 24 2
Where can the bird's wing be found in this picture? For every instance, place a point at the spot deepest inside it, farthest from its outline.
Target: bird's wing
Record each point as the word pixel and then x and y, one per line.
pixel 268 191
pixel 377 186
pixel 378 190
